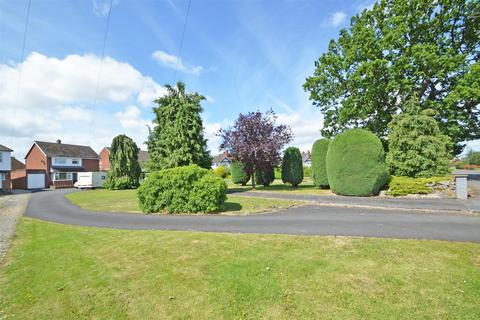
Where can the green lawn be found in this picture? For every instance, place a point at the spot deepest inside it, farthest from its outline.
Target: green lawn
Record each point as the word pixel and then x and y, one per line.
pixel 306 187
pixel 126 201
pixel 64 272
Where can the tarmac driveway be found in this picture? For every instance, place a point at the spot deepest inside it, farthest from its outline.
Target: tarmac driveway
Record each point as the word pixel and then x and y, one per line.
pixel 306 220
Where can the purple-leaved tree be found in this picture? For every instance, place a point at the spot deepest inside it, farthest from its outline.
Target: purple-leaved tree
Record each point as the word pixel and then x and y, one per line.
pixel 256 141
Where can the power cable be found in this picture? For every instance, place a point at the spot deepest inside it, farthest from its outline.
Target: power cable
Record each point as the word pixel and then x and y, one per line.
pixel 180 47
pixel 22 57
pixel 102 56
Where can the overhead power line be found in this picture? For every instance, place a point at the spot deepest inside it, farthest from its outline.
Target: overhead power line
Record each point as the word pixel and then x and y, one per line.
pixel 180 47
pixel 100 67
pixel 22 57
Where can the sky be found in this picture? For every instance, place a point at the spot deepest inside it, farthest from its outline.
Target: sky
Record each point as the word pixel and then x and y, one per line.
pixel 242 55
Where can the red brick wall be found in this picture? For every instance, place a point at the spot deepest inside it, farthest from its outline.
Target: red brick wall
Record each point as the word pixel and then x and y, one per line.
pixel 19 179
pixel 90 164
pixel 104 160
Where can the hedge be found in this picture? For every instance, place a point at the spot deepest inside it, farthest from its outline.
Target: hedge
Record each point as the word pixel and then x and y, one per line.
pixel 239 176
pixel 292 166
pixel 402 186
pixel 265 177
pixel 356 163
pixel 188 189
pixel 319 167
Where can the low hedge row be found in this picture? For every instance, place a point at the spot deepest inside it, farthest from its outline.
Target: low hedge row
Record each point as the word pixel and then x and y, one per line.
pixel 402 186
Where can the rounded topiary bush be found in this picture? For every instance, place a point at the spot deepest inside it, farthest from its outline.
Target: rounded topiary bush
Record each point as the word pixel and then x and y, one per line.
pixel 319 167
pixel 356 163
pixel 239 176
pixel 265 176
pixel 292 166
pixel 188 189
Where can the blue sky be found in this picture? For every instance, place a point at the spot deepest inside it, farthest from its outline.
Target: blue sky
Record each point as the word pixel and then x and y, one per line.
pixel 242 55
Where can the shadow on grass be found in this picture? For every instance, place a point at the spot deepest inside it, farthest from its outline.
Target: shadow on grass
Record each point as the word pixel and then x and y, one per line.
pixel 230 206
pixel 273 187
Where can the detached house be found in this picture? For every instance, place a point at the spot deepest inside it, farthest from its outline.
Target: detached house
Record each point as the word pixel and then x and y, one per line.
pixel 58 164
pixel 5 168
pixel 221 160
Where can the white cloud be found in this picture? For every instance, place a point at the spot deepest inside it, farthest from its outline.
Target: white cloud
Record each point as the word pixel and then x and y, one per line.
pixel 174 62
pixel 337 18
pixel 54 99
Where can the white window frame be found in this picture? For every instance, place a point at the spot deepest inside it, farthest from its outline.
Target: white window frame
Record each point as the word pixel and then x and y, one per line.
pixel 60 160
pixel 75 161
pixel 2 177
pixel 68 176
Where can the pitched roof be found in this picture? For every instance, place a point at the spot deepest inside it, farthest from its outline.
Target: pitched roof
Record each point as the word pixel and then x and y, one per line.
pixel 17 164
pixel 3 148
pixel 54 149
pixel 220 157
pixel 142 157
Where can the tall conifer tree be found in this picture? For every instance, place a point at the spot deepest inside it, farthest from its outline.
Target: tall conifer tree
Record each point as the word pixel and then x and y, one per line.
pixel 177 139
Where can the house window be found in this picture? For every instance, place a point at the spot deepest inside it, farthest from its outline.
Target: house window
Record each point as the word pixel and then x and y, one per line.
pixel 75 161
pixel 2 177
pixel 60 176
pixel 60 160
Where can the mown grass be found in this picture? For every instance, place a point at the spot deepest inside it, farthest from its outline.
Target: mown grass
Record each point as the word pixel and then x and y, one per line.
pixel 127 201
pixel 306 187
pixel 63 272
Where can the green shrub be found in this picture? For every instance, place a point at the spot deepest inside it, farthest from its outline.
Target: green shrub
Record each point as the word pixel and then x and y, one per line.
pixel 319 168
pixel 292 166
pixel 307 171
pixel 188 189
pixel 416 145
pixel 239 176
pixel 356 163
pixel 221 171
pixel 265 177
pixel 402 186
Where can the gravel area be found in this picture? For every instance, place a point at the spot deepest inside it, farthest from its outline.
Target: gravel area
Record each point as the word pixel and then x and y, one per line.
pixel 11 208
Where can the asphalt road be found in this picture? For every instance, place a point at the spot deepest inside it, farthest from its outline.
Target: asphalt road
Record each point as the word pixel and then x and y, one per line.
pixel 306 220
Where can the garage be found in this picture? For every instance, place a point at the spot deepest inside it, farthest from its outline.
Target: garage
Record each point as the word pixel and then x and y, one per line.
pixel 36 180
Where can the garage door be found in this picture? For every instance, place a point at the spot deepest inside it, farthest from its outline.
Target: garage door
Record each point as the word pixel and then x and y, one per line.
pixel 36 180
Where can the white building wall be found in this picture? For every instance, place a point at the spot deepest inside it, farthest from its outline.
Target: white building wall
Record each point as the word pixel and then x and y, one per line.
pixel 5 161
pixel 66 162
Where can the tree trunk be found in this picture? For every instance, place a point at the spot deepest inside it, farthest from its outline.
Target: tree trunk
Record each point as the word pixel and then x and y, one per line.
pixel 253 179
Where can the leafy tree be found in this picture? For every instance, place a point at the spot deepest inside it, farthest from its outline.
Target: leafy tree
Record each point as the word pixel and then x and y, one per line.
pixel 473 157
pixel 255 141
pixel 124 167
pixel 398 50
pixel 417 147
pixel 292 166
pixel 177 139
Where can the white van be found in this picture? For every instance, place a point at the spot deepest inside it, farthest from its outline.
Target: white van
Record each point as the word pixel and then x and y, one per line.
pixel 90 180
